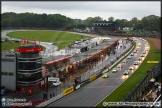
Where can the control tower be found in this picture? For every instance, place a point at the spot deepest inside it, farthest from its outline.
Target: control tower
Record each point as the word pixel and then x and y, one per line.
pixel 29 68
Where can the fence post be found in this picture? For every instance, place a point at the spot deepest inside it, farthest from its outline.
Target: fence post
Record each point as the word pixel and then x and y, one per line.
pixel 132 93
pixel 125 99
pixel 129 96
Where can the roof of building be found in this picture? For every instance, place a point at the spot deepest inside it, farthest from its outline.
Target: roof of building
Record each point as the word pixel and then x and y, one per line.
pixel 54 59
pixel 105 22
pixel 112 39
pixel 101 38
pixel 77 58
pixel 81 56
pixel 91 51
pixel 30 46
pixel 79 46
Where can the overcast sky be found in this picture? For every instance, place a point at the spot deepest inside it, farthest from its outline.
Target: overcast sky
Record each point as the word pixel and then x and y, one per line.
pixel 83 9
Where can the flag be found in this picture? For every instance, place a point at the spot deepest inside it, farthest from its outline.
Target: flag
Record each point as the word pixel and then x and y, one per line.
pixel 22 42
pixel 34 42
pixel 27 41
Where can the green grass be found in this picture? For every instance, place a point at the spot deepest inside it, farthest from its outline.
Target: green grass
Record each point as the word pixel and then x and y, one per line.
pixel 48 36
pixel 61 45
pixel 5 46
pixel 134 79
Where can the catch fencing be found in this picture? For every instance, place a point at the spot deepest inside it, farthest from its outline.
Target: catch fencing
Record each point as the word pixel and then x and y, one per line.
pixel 144 85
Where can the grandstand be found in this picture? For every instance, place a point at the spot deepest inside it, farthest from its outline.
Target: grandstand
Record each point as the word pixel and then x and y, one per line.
pixel 105 27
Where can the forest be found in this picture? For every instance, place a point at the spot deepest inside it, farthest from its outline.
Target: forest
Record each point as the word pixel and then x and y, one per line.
pixel 58 21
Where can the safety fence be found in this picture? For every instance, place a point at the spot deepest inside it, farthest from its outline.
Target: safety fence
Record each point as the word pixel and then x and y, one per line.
pixel 45 103
pixel 55 93
pixel 145 85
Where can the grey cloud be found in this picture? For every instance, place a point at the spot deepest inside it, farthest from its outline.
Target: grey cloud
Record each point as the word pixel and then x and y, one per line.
pixel 95 8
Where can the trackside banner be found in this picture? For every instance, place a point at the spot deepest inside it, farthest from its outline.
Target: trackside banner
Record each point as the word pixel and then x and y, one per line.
pixel 152 61
pixel 92 78
pixel 68 90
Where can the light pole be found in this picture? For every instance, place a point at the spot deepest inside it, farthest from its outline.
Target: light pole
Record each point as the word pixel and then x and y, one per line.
pixel 102 60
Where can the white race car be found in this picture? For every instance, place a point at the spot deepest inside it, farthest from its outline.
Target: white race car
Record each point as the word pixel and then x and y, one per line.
pixel 115 70
pixel 131 67
pixel 119 65
pixel 129 57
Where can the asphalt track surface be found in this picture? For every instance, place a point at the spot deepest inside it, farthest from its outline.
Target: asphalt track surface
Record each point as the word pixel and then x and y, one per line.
pixel 94 92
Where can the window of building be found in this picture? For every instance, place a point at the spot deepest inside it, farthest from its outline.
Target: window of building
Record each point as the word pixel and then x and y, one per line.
pixel 7 73
pixel 29 65
pixel 29 76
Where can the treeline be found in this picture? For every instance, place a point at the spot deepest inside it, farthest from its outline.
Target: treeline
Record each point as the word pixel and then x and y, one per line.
pixel 149 23
pixel 58 21
pixel 35 20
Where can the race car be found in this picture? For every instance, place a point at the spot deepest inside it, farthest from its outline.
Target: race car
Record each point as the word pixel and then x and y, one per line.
pixel 115 70
pixel 136 63
pixel 105 75
pixel 132 54
pixel 124 61
pixel 119 65
pixel 126 72
pixel 129 57
pixel 131 67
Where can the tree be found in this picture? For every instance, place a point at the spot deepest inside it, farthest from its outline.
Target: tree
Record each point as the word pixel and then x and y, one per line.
pixel 55 21
pixel 97 18
pixel 111 18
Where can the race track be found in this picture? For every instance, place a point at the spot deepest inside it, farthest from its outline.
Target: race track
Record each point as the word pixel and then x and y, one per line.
pixel 94 92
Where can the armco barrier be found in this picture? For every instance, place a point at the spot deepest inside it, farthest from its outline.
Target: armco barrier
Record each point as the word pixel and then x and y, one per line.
pixel 68 90
pixel 43 104
pixel 92 78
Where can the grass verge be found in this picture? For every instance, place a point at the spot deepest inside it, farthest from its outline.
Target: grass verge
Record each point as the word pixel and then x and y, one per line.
pixel 134 79
pixel 57 37
pixel 5 46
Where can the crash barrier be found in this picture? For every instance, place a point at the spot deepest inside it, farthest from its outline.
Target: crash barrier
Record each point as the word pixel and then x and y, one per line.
pixel 45 103
pixel 92 78
pixel 56 93
pixel 68 90
pixel 145 85
pixel 97 71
